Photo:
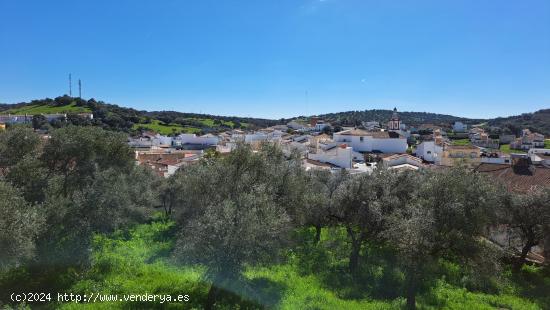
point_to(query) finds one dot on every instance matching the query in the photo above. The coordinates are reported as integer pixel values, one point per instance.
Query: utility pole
(79, 89)
(70, 86)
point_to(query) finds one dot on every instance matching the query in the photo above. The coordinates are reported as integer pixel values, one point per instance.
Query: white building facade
(372, 141)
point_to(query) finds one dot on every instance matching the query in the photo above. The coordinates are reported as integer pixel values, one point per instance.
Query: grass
(462, 142)
(138, 261)
(166, 129)
(505, 148)
(138, 264)
(47, 109)
(547, 144)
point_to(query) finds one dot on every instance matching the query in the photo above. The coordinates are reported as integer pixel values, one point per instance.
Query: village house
(372, 141)
(459, 127)
(528, 140)
(540, 156)
(373, 125)
(27, 118)
(166, 162)
(340, 155)
(506, 139)
(482, 139)
(193, 139)
(150, 139)
(430, 151)
(465, 154)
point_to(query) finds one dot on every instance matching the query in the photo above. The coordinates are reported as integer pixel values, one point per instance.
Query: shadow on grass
(534, 283)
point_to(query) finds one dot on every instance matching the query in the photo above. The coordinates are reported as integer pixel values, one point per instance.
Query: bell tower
(395, 122)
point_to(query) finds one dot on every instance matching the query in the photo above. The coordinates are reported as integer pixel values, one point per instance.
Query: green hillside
(165, 129)
(33, 109)
(114, 117)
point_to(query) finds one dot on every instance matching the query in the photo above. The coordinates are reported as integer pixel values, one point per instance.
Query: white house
(372, 141)
(528, 140)
(540, 156)
(371, 125)
(338, 155)
(429, 151)
(320, 126)
(460, 127)
(188, 138)
(299, 126)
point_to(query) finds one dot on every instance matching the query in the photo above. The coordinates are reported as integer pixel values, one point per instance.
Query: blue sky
(282, 58)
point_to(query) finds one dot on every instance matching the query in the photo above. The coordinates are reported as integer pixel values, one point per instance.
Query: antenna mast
(79, 89)
(70, 86)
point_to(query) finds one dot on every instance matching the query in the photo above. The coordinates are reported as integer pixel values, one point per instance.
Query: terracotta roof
(395, 156)
(517, 178)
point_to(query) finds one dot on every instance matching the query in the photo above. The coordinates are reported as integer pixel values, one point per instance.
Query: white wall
(188, 138)
(429, 151)
(338, 156)
(369, 144)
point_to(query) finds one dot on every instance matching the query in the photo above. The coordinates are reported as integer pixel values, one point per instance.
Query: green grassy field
(547, 144)
(139, 261)
(164, 129)
(505, 148)
(47, 109)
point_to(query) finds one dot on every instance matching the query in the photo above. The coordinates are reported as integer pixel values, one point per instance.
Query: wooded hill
(538, 121)
(382, 116)
(114, 117)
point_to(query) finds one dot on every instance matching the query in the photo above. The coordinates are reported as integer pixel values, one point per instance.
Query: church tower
(395, 122)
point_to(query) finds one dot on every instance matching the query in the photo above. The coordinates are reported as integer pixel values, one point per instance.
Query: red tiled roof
(517, 178)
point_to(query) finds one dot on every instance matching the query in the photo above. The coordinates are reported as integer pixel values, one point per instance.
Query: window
(361, 139)
(428, 152)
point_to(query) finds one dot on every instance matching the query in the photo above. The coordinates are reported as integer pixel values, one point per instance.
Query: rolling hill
(351, 118)
(115, 117)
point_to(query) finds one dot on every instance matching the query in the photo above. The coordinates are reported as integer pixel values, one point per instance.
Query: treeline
(114, 117)
(251, 208)
(56, 193)
(352, 118)
(538, 121)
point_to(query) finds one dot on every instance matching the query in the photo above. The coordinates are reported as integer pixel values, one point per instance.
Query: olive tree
(363, 203)
(445, 218)
(319, 195)
(528, 217)
(236, 211)
(19, 224)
